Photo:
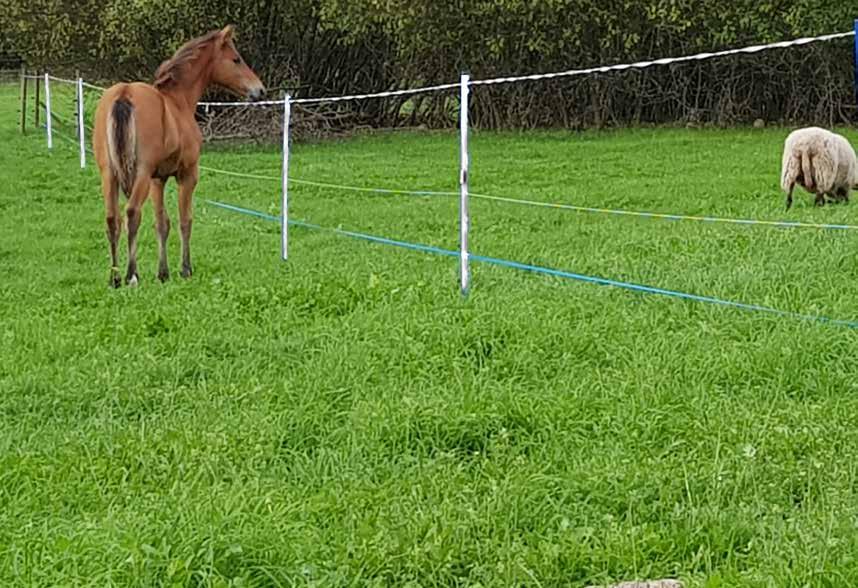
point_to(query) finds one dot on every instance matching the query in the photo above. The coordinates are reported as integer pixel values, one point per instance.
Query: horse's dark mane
(170, 72)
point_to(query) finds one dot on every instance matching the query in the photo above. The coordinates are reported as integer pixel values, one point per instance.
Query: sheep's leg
(843, 195)
(820, 200)
(789, 196)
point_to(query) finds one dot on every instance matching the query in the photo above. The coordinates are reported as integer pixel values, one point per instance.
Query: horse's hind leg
(162, 228)
(134, 211)
(187, 184)
(110, 191)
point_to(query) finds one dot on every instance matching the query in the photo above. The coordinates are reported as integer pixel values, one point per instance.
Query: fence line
(264, 103)
(536, 77)
(294, 180)
(81, 125)
(547, 270)
(464, 189)
(536, 203)
(238, 174)
(67, 138)
(664, 61)
(561, 74)
(284, 181)
(666, 216)
(245, 104)
(63, 80)
(388, 94)
(568, 73)
(48, 117)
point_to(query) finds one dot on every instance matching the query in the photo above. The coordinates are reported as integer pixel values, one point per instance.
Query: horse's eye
(237, 61)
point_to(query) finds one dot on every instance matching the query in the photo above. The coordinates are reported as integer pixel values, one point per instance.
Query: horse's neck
(191, 92)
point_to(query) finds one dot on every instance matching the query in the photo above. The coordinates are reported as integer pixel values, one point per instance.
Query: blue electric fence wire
(546, 270)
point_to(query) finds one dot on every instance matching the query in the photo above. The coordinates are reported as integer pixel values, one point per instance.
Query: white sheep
(821, 162)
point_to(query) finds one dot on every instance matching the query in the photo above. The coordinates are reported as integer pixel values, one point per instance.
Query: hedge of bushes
(328, 47)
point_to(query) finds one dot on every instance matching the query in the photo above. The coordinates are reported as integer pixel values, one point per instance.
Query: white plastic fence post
(464, 220)
(48, 116)
(81, 129)
(284, 218)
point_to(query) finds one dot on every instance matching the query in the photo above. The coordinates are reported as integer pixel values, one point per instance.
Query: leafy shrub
(329, 47)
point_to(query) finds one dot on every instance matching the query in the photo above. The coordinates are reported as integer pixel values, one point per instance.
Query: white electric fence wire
(560, 74)
(663, 61)
(63, 80)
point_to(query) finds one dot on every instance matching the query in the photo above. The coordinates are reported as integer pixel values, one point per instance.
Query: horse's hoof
(132, 282)
(187, 272)
(164, 276)
(115, 282)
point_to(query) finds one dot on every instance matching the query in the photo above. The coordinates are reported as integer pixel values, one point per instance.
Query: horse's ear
(227, 33)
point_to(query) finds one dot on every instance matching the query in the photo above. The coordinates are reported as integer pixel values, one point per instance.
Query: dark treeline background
(331, 47)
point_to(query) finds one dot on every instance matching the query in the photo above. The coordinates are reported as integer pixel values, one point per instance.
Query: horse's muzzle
(256, 94)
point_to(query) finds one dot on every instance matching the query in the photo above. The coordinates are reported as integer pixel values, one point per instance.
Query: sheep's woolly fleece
(820, 161)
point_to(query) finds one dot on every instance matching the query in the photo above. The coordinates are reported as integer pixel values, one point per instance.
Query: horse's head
(230, 71)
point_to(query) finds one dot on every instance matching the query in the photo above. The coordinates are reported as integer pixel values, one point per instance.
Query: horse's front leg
(187, 184)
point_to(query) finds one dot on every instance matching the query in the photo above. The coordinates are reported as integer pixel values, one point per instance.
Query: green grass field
(346, 419)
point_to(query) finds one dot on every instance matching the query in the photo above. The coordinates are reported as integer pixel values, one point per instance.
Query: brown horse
(145, 134)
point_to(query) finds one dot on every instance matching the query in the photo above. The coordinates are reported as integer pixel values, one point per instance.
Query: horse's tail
(122, 144)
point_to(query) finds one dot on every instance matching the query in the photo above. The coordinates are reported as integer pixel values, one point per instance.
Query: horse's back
(146, 101)
(148, 115)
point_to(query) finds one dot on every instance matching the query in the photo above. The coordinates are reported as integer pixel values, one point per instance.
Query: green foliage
(492, 36)
(326, 47)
